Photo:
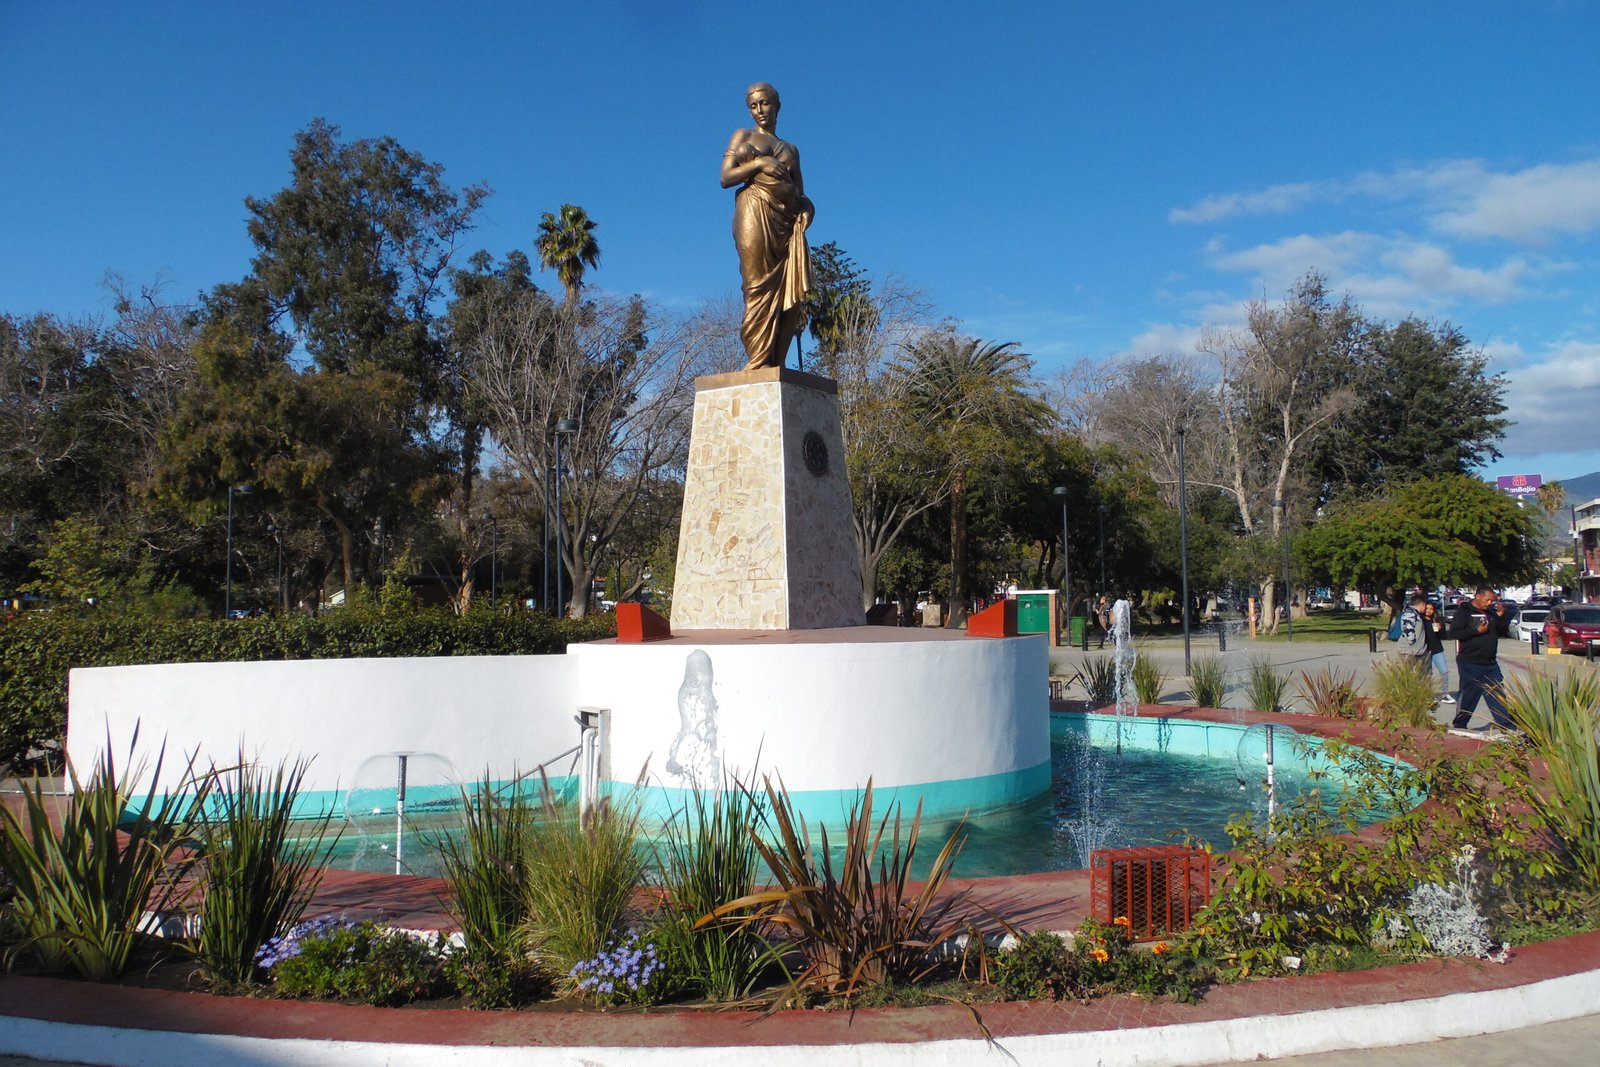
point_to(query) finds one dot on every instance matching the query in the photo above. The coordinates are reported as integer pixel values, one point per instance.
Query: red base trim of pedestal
(997, 620)
(637, 623)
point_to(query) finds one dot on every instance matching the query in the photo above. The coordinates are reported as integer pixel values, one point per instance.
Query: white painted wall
(829, 716)
(479, 711)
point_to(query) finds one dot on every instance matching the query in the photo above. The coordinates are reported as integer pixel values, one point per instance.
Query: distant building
(1586, 530)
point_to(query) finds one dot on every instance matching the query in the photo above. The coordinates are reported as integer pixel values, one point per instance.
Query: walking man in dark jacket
(1478, 627)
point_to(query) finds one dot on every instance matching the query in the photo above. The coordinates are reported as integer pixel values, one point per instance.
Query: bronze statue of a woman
(770, 216)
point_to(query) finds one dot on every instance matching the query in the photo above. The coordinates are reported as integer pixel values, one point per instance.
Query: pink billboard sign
(1520, 484)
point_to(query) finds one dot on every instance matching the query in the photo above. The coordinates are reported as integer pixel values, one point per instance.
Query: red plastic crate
(1159, 889)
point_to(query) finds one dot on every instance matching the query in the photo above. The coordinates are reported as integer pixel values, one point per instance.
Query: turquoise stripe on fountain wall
(1189, 737)
(940, 800)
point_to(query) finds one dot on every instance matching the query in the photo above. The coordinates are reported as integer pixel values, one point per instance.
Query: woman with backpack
(1422, 636)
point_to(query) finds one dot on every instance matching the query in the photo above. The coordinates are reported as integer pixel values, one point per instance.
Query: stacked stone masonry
(765, 541)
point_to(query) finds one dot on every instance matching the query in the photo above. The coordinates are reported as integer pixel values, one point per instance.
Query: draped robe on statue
(774, 262)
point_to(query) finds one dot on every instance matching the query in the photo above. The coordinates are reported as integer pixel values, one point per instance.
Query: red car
(1573, 627)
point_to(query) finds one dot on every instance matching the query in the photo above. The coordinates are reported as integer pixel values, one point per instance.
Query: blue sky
(1086, 179)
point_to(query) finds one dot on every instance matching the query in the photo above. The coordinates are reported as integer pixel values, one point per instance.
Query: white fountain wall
(961, 723)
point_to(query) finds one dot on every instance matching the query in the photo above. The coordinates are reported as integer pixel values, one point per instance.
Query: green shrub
(1405, 692)
(78, 896)
(1100, 961)
(258, 880)
(1148, 678)
(582, 873)
(37, 651)
(1266, 689)
(490, 979)
(361, 962)
(1208, 681)
(1305, 883)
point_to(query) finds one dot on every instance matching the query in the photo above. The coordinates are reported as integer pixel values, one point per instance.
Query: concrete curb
(1233, 1040)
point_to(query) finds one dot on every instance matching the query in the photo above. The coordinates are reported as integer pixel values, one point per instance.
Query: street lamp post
(1183, 544)
(494, 560)
(1102, 513)
(544, 534)
(277, 535)
(227, 595)
(1066, 559)
(564, 428)
(1283, 524)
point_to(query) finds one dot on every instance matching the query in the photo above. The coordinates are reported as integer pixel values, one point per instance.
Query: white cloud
(1279, 262)
(1530, 206)
(1552, 399)
(1163, 339)
(1458, 197)
(1273, 200)
(1387, 275)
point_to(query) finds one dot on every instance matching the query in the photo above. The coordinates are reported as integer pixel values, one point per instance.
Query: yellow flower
(1121, 920)
(1100, 955)
(1159, 947)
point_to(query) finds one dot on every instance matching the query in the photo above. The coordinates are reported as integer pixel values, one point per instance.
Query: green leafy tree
(1427, 409)
(1453, 529)
(356, 251)
(977, 399)
(567, 246)
(839, 306)
(352, 257)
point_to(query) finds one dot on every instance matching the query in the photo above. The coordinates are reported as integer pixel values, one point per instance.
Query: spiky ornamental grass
(1330, 692)
(79, 897)
(258, 878)
(1208, 681)
(1100, 679)
(851, 928)
(582, 872)
(709, 859)
(1406, 691)
(1148, 678)
(487, 869)
(1560, 719)
(1267, 687)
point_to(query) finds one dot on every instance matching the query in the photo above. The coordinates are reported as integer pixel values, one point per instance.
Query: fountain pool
(1173, 777)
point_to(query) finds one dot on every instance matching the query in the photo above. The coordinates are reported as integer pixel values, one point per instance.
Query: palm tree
(975, 397)
(567, 246)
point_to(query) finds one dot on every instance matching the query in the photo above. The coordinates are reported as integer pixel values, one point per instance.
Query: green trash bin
(1075, 632)
(1033, 613)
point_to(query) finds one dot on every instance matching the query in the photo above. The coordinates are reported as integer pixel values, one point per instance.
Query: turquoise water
(1167, 778)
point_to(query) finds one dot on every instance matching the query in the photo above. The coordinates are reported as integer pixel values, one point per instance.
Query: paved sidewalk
(1564, 1044)
(1293, 659)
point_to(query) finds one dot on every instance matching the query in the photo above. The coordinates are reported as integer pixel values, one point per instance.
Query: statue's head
(762, 100)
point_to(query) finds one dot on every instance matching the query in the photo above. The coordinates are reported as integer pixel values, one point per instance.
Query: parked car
(1529, 622)
(1573, 627)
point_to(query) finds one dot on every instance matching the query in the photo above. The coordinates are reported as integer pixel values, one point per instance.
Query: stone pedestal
(766, 542)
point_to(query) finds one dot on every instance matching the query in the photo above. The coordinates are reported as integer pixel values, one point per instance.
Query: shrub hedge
(37, 651)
